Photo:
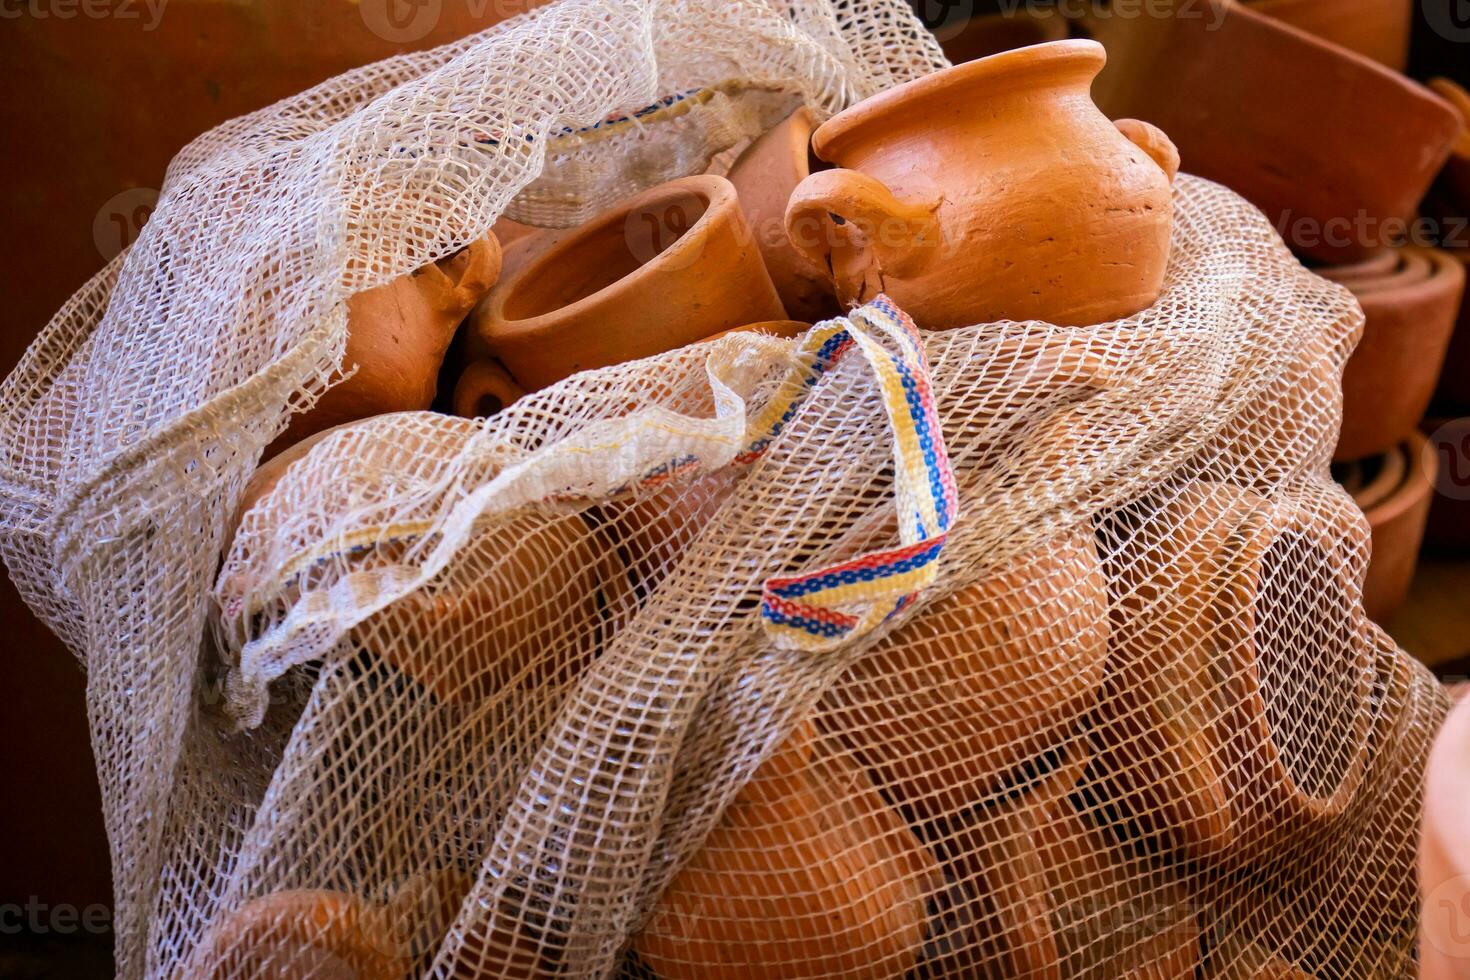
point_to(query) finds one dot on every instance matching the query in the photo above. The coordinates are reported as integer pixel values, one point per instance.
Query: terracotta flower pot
(296, 935)
(1055, 897)
(945, 709)
(983, 36)
(1447, 530)
(1330, 144)
(1444, 852)
(808, 874)
(1377, 29)
(764, 177)
(1456, 175)
(665, 268)
(993, 190)
(397, 336)
(1209, 735)
(1395, 498)
(1409, 315)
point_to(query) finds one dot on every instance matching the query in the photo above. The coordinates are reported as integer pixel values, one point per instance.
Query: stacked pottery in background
(1301, 106)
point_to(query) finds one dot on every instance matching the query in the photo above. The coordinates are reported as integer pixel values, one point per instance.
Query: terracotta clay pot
(943, 710)
(992, 190)
(983, 36)
(808, 874)
(1209, 735)
(1456, 176)
(1444, 852)
(1447, 530)
(764, 176)
(397, 336)
(1055, 897)
(485, 625)
(663, 269)
(1377, 29)
(1409, 314)
(1395, 500)
(1331, 145)
(295, 935)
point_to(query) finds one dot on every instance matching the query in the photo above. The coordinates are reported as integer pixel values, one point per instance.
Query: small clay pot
(809, 873)
(663, 269)
(1377, 29)
(1208, 734)
(397, 336)
(1456, 176)
(1444, 852)
(296, 935)
(1054, 896)
(992, 190)
(1330, 144)
(988, 34)
(764, 177)
(1396, 503)
(1447, 531)
(943, 710)
(1409, 315)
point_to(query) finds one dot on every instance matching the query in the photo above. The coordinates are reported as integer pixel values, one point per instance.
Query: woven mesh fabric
(465, 699)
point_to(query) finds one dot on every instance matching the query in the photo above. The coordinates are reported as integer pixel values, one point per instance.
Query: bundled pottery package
(684, 490)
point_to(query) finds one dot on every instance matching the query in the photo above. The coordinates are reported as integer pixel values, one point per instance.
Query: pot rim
(720, 201)
(1444, 272)
(1415, 486)
(878, 108)
(1392, 470)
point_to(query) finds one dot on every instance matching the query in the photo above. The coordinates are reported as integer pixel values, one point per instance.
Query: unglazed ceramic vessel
(1210, 735)
(1409, 311)
(1444, 852)
(988, 191)
(1332, 146)
(1377, 29)
(663, 269)
(809, 873)
(1052, 896)
(764, 176)
(397, 336)
(943, 710)
(1395, 499)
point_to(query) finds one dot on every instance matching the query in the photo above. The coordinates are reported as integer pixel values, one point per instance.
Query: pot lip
(1446, 789)
(1444, 273)
(720, 200)
(876, 108)
(1392, 470)
(1415, 486)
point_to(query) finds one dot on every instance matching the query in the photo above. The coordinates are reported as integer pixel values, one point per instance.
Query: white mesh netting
(468, 699)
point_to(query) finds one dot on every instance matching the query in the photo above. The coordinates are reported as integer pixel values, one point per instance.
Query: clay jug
(765, 175)
(992, 190)
(665, 268)
(808, 874)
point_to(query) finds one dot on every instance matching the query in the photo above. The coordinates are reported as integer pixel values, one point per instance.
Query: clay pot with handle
(397, 336)
(665, 268)
(988, 191)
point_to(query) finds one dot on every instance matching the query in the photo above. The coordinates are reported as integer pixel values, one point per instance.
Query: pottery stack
(1302, 107)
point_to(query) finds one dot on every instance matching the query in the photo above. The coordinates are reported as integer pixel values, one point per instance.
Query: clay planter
(1395, 498)
(981, 37)
(1447, 531)
(988, 191)
(666, 268)
(764, 177)
(397, 336)
(808, 874)
(1456, 176)
(1210, 735)
(296, 935)
(1444, 852)
(1377, 29)
(943, 710)
(1409, 314)
(1331, 145)
(1052, 896)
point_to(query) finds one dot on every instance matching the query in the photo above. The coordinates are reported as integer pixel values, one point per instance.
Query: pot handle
(1153, 141)
(901, 236)
(457, 282)
(484, 388)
